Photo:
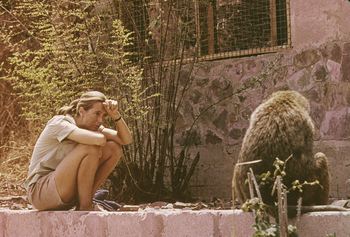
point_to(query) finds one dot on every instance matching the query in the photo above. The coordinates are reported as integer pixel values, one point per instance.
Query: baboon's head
(295, 96)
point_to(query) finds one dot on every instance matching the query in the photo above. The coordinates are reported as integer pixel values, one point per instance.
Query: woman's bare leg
(75, 175)
(85, 180)
(111, 154)
(84, 170)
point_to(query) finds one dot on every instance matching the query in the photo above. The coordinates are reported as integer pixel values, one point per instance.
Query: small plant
(263, 225)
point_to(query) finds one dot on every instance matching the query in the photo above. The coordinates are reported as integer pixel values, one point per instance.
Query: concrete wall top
(162, 223)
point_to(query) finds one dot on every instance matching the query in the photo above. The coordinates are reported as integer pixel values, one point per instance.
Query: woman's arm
(87, 137)
(122, 136)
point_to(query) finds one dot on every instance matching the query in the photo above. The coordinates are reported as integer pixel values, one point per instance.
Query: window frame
(246, 52)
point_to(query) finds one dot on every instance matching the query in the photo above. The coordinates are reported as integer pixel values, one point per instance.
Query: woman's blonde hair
(86, 101)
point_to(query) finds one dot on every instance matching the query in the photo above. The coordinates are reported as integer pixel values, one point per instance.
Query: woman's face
(92, 118)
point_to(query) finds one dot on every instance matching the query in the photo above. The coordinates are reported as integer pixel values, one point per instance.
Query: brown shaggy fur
(281, 126)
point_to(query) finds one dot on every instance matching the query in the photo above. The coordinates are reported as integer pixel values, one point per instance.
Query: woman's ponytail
(69, 109)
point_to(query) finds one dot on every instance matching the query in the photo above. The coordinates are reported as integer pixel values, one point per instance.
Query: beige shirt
(51, 147)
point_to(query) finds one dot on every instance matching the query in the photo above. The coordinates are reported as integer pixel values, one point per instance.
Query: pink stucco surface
(170, 223)
(316, 22)
(324, 224)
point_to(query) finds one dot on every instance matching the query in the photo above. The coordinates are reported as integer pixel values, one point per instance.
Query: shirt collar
(70, 119)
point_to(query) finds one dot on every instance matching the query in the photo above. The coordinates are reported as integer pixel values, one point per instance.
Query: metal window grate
(206, 29)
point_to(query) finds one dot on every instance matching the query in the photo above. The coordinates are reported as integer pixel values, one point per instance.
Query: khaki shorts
(43, 195)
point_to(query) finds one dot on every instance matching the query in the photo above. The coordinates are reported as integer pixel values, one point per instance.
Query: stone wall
(158, 222)
(317, 73)
(318, 66)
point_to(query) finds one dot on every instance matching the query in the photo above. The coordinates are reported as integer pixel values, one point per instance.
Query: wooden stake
(250, 184)
(282, 217)
(285, 209)
(300, 201)
(251, 189)
(255, 184)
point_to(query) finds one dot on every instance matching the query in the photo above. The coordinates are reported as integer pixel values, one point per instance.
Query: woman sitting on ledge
(74, 154)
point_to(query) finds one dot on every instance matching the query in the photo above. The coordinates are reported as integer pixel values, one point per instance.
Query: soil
(13, 197)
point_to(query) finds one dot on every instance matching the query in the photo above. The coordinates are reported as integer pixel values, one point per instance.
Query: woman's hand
(121, 134)
(111, 107)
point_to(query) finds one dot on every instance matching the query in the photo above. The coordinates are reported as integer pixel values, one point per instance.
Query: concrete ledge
(157, 223)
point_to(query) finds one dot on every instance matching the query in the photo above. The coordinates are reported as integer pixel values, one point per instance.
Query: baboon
(281, 127)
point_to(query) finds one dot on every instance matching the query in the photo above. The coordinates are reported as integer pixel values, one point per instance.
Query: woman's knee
(91, 150)
(114, 149)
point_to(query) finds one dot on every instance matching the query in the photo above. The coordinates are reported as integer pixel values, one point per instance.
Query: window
(228, 26)
(208, 29)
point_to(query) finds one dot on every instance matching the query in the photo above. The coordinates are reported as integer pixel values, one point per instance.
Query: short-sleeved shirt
(51, 147)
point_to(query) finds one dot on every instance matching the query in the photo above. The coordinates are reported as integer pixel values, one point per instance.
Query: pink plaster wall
(315, 22)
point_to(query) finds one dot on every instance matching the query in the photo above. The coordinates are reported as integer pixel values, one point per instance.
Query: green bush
(65, 48)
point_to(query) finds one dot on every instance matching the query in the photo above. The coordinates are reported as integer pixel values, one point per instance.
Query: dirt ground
(14, 160)
(13, 197)
(13, 194)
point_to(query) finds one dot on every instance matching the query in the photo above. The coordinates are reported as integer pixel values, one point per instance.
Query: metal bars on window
(207, 29)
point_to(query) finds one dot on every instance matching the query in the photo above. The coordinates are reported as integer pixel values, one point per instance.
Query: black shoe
(107, 205)
(101, 194)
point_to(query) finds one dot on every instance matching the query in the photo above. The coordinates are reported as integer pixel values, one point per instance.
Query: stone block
(332, 51)
(201, 70)
(188, 223)
(324, 224)
(224, 223)
(253, 66)
(195, 96)
(220, 122)
(20, 223)
(212, 138)
(165, 223)
(300, 81)
(235, 223)
(320, 73)
(346, 49)
(134, 224)
(220, 87)
(2, 224)
(95, 224)
(242, 224)
(345, 67)
(201, 81)
(334, 70)
(232, 71)
(335, 125)
(237, 134)
(306, 58)
(64, 223)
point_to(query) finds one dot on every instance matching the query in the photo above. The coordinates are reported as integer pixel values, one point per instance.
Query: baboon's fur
(279, 127)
